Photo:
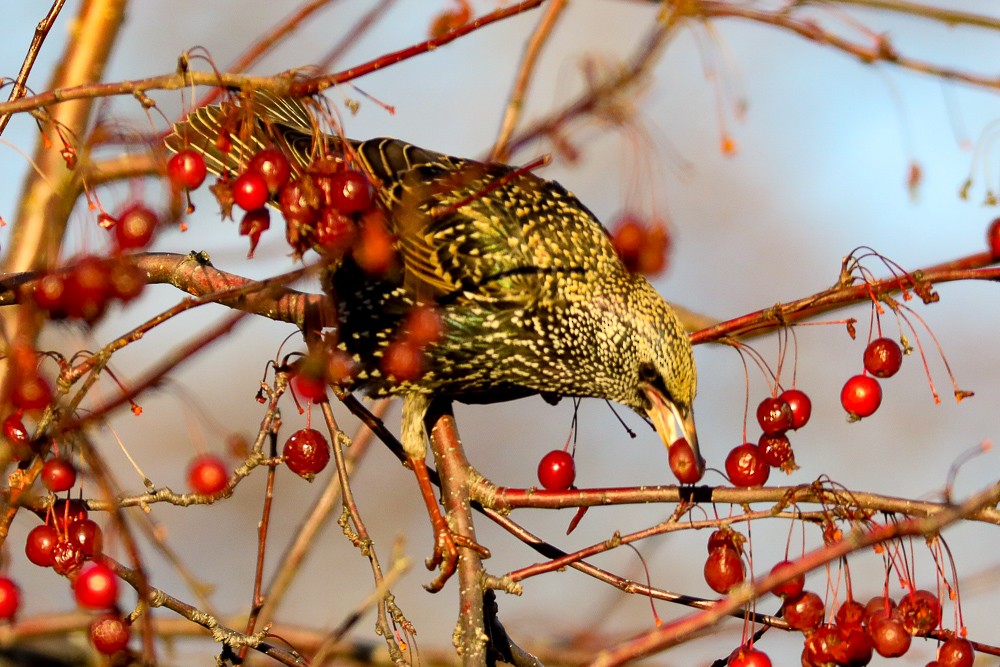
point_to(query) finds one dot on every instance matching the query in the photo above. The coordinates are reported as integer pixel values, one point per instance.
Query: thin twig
(41, 32)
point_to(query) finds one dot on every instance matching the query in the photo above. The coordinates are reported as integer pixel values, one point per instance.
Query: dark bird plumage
(533, 297)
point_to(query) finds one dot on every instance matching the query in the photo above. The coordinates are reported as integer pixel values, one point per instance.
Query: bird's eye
(648, 373)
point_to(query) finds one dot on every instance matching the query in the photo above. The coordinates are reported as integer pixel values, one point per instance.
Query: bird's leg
(446, 540)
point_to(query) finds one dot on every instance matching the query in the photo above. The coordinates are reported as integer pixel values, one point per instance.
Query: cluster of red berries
(642, 246)
(65, 543)
(862, 394)
(750, 464)
(859, 630)
(85, 288)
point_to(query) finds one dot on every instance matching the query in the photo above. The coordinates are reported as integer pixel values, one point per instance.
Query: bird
(531, 295)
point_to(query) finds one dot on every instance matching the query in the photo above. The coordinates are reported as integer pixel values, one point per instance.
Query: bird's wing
(492, 233)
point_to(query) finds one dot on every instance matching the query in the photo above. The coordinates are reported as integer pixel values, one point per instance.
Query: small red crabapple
(87, 535)
(890, 638)
(956, 652)
(273, 166)
(748, 657)
(109, 634)
(774, 415)
(351, 192)
(96, 587)
(250, 191)
(793, 586)
(10, 598)
(207, 475)
(136, 226)
(40, 544)
(186, 170)
(883, 357)
(403, 361)
(58, 475)
(746, 467)
(861, 396)
(306, 453)
(777, 452)
(804, 611)
(800, 404)
(557, 470)
(724, 570)
(920, 611)
(683, 462)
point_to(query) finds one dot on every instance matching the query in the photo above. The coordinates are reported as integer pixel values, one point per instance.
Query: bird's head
(665, 375)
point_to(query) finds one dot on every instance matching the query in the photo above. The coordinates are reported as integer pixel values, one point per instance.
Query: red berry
(800, 404)
(253, 224)
(58, 475)
(861, 396)
(956, 652)
(65, 512)
(350, 192)
(67, 557)
(273, 166)
(684, 463)
(403, 361)
(792, 587)
(777, 452)
(726, 538)
(883, 357)
(803, 611)
(96, 587)
(748, 657)
(186, 170)
(920, 611)
(40, 544)
(890, 638)
(109, 634)
(423, 325)
(993, 238)
(854, 648)
(557, 470)
(135, 228)
(127, 281)
(306, 453)
(10, 598)
(87, 535)
(88, 287)
(878, 607)
(375, 251)
(14, 429)
(50, 293)
(820, 643)
(335, 232)
(851, 614)
(250, 191)
(746, 467)
(724, 570)
(774, 415)
(30, 392)
(298, 201)
(628, 236)
(207, 475)
(309, 387)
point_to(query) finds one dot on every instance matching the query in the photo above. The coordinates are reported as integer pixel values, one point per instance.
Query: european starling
(532, 296)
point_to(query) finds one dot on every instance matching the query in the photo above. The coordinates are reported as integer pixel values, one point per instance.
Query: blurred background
(823, 150)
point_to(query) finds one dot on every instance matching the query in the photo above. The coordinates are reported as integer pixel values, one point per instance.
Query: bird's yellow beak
(672, 425)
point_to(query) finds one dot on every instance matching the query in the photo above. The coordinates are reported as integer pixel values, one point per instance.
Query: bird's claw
(446, 556)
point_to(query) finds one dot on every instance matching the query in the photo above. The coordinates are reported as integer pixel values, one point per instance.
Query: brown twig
(41, 32)
(529, 60)
(950, 17)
